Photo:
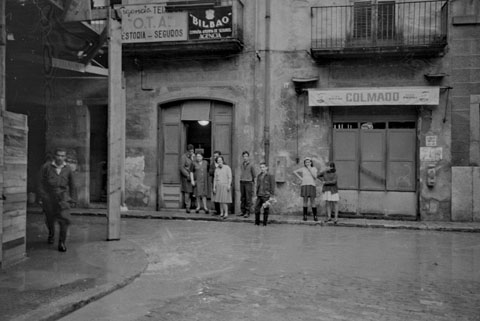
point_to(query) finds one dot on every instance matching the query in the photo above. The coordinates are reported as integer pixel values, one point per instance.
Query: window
(368, 17)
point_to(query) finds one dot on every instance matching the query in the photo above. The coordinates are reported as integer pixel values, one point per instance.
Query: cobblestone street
(230, 271)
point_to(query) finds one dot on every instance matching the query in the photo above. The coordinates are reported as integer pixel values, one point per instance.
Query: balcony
(385, 28)
(212, 27)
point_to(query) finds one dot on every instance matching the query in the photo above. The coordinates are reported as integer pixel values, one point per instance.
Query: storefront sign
(374, 96)
(431, 154)
(150, 23)
(206, 24)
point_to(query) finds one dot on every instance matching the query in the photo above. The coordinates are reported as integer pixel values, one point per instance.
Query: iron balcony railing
(380, 24)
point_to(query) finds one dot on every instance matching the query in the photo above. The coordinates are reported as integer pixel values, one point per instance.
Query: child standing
(330, 191)
(308, 191)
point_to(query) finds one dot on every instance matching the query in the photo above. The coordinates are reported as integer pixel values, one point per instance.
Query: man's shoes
(50, 239)
(187, 211)
(240, 214)
(62, 247)
(246, 215)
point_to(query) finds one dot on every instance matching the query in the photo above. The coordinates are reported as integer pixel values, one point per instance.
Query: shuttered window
(367, 14)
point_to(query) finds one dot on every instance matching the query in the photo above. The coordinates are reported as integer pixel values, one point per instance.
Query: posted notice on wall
(150, 23)
(374, 96)
(431, 154)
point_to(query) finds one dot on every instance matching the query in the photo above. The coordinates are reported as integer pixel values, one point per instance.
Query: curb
(414, 225)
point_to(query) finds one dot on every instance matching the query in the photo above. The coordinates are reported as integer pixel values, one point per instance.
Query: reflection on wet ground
(227, 271)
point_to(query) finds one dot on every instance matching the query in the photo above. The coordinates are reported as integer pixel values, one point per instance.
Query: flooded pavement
(49, 283)
(227, 271)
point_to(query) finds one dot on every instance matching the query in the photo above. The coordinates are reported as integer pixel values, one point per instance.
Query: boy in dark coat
(265, 192)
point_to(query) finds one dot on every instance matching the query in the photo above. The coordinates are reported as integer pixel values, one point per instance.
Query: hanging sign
(150, 23)
(212, 23)
(374, 96)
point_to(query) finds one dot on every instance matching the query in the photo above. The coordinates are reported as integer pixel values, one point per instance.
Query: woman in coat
(222, 186)
(199, 178)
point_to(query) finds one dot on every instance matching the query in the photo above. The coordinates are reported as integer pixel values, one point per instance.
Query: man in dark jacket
(265, 192)
(186, 184)
(57, 195)
(247, 180)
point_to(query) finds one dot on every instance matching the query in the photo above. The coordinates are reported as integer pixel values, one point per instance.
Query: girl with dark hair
(330, 191)
(308, 191)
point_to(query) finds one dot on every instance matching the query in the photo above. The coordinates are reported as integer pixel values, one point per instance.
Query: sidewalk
(50, 284)
(297, 219)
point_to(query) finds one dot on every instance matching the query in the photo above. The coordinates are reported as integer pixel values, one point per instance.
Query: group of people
(57, 191)
(199, 177)
(308, 174)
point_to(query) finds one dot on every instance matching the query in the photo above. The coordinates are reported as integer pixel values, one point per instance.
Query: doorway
(374, 149)
(98, 153)
(206, 124)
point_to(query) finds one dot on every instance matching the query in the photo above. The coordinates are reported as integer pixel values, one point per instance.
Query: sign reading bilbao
(374, 96)
(150, 23)
(213, 23)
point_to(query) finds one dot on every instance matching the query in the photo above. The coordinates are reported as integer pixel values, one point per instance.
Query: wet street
(232, 271)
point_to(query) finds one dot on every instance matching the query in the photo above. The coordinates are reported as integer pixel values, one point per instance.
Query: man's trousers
(54, 211)
(246, 194)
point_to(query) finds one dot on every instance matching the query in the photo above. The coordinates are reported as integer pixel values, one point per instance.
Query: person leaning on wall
(184, 166)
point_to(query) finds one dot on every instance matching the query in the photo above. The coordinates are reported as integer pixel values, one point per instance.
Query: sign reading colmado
(150, 23)
(374, 96)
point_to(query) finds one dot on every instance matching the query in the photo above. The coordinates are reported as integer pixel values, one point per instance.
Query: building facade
(388, 90)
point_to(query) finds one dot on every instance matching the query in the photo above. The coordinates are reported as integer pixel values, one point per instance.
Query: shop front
(375, 146)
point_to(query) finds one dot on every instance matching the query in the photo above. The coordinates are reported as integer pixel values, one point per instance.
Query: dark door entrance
(98, 153)
(200, 136)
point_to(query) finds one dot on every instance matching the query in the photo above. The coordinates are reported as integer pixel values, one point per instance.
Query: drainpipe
(266, 128)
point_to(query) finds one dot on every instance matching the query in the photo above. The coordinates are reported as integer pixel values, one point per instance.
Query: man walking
(186, 184)
(57, 193)
(265, 191)
(247, 179)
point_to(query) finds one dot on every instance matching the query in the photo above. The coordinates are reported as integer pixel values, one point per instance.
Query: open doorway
(200, 136)
(98, 153)
(183, 123)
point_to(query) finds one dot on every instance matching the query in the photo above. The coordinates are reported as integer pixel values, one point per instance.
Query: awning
(369, 96)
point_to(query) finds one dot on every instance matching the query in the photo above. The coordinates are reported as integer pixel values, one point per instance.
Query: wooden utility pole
(116, 125)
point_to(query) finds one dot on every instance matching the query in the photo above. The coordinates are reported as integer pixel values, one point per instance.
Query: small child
(330, 191)
(308, 190)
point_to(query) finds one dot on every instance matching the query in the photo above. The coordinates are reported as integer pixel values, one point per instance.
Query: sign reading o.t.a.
(150, 23)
